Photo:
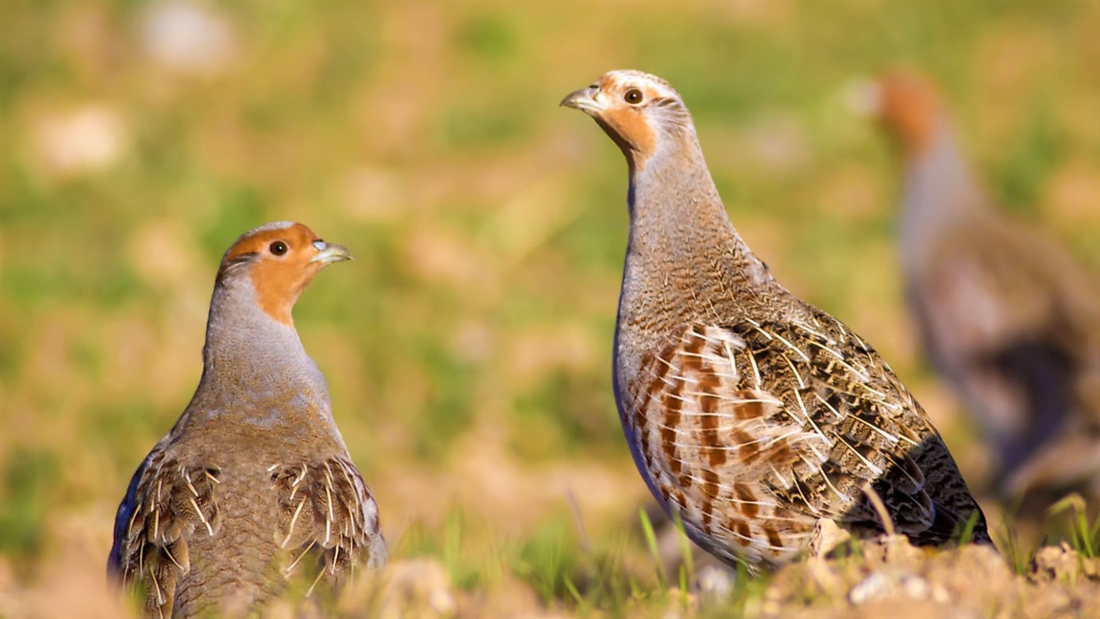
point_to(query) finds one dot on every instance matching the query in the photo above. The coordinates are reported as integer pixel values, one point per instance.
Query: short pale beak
(327, 253)
(584, 100)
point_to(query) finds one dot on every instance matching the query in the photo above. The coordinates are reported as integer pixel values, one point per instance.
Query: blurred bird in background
(750, 413)
(1006, 316)
(253, 488)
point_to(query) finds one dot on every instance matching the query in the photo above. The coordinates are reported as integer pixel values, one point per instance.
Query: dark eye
(633, 96)
(278, 248)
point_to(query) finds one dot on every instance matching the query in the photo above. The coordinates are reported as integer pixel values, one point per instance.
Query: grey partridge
(253, 489)
(750, 413)
(1006, 316)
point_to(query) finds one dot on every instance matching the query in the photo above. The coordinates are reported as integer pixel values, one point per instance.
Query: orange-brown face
(281, 259)
(909, 109)
(624, 104)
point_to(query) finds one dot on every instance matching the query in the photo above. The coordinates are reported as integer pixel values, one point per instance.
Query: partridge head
(252, 491)
(750, 413)
(908, 108)
(280, 262)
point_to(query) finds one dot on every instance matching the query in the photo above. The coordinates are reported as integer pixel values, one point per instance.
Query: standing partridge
(751, 414)
(253, 488)
(1009, 320)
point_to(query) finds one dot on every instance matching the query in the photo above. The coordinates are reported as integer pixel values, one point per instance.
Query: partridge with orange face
(253, 489)
(1007, 317)
(750, 413)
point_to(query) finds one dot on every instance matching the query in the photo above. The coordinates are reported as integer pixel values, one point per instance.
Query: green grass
(30, 480)
(1084, 536)
(651, 543)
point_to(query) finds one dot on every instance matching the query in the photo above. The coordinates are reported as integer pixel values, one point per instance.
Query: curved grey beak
(584, 100)
(327, 253)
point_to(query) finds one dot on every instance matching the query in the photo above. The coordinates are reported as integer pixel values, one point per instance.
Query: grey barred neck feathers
(749, 412)
(940, 195)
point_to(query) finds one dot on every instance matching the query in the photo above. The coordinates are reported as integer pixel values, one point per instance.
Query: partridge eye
(633, 96)
(278, 248)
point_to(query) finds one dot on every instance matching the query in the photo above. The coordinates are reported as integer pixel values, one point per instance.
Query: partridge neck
(255, 369)
(238, 330)
(940, 197)
(677, 218)
(673, 202)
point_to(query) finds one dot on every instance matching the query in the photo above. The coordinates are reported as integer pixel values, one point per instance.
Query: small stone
(876, 586)
(940, 594)
(916, 587)
(891, 550)
(713, 583)
(1091, 568)
(827, 536)
(1052, 563)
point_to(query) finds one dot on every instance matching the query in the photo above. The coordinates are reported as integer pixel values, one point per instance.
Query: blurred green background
(468, 348)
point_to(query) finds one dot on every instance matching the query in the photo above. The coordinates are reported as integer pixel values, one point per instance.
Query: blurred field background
(468, 348)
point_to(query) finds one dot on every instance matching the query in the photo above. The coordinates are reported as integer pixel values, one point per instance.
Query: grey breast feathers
(326, 523)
